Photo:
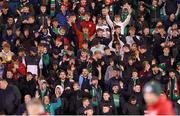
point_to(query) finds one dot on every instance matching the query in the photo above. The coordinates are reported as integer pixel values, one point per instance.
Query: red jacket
(21, 70)
(162, 107)
(91, 26)
(79, 35)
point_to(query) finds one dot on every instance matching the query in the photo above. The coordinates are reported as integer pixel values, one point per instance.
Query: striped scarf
(44, 2)
(173, 88)
(52, 8)
(52, 4)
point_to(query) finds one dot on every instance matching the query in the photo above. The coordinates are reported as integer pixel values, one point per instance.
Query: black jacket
(27, 87)
(10, 99)
(76, 100)
(129, 109)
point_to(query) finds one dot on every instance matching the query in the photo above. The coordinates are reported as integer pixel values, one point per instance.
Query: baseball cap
(152, 87)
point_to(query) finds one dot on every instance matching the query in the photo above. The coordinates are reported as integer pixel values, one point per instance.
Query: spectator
(154, 99)
(10, 97)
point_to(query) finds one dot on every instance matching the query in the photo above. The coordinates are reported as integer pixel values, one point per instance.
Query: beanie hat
(178, 63)
(162, 66)
(152, 87)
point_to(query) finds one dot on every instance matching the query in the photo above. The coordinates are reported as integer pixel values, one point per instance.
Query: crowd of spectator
(87, 57)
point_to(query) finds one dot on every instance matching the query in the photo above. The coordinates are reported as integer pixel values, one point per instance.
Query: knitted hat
(178, 63)
(171, 70)
(162, 66)
(152, 87)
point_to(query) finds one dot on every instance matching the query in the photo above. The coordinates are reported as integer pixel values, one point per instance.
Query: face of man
(87, 17)
(27, 98)
(94, 82)
(29, 77)
(10, 21)
(85, 30)
(63, 8)
(150, 98)
(9, 75)
(3, 85)
(44, 86)
(83, 2)
(143, 50)
(85, 45)
(114, 73)
(134, 74)
(172, 74)
(118, 30)
(43, 9)
(46, 100)
(106, 109)
(89, 112)
(85, 72)
(115, 88)
(35, 109)
(86, 103)
(166, 50)
(133, 101)
(137, 88)
(107, 51)
(76, 86)
(62, 75)
(106, 96)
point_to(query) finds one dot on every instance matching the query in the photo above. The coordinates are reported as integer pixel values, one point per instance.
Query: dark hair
(84, 99)
(62, 71)
(1, 59)
(132, 98)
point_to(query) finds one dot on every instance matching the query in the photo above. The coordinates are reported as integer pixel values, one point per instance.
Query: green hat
(152, 87)
(172, 70)
(162, 66)
(178, 63)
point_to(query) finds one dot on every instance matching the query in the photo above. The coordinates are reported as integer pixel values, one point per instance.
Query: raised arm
(126, 22)
(110, 46)
(109, 22)
(108, 19)
(178, 9)
(74, 26)
(54, 106)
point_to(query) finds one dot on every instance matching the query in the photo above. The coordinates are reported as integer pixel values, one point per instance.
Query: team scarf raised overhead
(173, 88)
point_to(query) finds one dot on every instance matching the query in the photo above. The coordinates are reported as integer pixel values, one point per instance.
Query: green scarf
(56, 30)
(94, 97)
(124, 15)
(47, 107)
(85, 36)
(173, 82)
(116, 100)
(52, 8)
(43, 93)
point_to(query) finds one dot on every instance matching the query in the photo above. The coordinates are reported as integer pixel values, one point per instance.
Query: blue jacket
(54, 106)
(84, 85)
(62, 19)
